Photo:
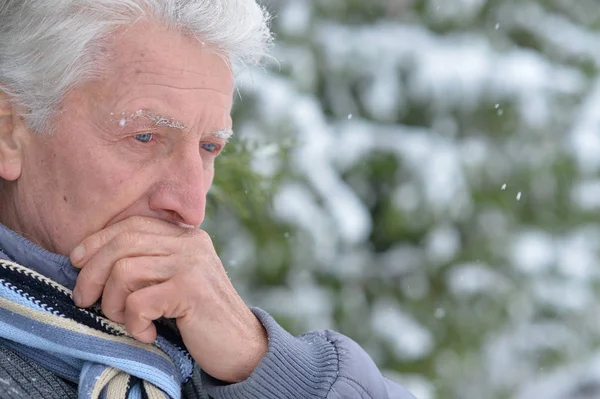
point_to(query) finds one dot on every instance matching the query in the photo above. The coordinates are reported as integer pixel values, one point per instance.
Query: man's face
(139, 141)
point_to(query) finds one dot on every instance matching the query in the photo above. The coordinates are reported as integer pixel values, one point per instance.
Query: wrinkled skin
(124, 193)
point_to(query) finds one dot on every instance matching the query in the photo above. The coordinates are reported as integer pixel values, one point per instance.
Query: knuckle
(123, 269)
(90, 279)
(128, 239)
(134, 303)
(95, 242)
(110, 310)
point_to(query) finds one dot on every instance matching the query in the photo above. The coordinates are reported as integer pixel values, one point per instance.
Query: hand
(145, 268)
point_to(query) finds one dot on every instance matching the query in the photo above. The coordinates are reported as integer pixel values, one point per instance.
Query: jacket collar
(18, 249)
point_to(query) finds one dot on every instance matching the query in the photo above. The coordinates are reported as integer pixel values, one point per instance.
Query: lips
(184, 226)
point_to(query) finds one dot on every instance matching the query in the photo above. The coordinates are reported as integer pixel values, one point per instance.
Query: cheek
(209, 176)
(54, 166)
(119, 184)
(92, 180)
(106, 193)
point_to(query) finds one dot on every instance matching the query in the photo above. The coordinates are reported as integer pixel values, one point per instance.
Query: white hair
(47, 47)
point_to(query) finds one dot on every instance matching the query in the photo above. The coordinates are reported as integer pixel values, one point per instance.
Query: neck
(13, 217)
(7, 211)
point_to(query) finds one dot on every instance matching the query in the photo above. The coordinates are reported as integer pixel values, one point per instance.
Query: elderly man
(112, 113)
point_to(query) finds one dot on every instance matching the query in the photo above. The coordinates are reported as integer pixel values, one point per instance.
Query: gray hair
(47, 47)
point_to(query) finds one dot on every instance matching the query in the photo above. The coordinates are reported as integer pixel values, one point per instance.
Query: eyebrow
(224, 134)
(172, 123)
(163, 121)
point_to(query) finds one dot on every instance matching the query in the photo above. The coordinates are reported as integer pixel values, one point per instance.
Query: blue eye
(210, 147)
(144, 137)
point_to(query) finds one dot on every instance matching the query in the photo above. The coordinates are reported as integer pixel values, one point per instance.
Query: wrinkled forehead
(148, 50)
(178, 80)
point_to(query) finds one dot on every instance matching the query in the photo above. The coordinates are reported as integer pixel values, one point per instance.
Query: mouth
(171, 221)
(184, 226)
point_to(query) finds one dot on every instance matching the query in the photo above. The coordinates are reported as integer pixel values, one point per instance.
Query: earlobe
(10, 147)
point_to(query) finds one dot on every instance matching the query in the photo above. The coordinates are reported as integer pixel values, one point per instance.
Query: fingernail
(76, 297)
(78, 254)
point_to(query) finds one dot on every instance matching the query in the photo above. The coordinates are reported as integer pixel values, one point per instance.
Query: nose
(180, 196)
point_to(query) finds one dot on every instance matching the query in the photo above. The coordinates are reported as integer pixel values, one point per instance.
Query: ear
(11, 127)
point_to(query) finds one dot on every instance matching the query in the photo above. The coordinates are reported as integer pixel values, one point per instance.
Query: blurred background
(423, 176)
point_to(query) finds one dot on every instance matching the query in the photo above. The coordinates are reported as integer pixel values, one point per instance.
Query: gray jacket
(319, 364)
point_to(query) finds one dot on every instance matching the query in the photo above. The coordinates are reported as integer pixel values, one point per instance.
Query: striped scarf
(39, 320)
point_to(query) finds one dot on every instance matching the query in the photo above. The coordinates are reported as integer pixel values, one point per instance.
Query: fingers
(144, 269)
(120, 250)
(149, 304)
(128, 276)
(139, 224)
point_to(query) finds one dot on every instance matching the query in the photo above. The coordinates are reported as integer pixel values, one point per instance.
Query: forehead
(148, 60)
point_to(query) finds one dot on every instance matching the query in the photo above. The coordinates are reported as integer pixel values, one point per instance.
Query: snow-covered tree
(425, 179)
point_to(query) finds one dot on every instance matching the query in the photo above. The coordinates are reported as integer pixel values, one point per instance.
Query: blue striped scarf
(39, 320)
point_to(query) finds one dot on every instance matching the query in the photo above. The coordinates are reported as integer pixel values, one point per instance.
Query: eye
(143, 137)
(210, 147)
